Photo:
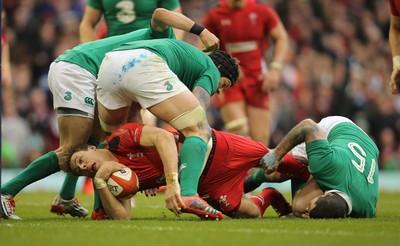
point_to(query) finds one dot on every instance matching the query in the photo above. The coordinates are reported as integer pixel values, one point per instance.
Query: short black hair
(329, 207)
(226, 64)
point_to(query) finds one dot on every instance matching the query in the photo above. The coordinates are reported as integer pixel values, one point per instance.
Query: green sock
(259, 177)
(97, 201)
(40, 168)
(192, 156)
(68, 188)
(254, 181)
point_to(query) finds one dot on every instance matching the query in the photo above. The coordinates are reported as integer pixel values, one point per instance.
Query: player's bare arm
(87, 26)
(164, 142)
(281, 46)
(394, 41)
(202, 95)
(163, 18)
(306, 131)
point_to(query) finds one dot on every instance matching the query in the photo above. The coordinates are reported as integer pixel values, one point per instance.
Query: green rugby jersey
(123, 16)
(90, 55)
(348, 162)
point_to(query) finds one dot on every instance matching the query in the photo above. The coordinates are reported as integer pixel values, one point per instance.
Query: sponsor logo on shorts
(68, 96)
(89, 101)
(168, 86)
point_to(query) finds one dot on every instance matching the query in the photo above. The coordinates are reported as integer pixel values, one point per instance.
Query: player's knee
(189, 119)
(193, 123)
(238, 126)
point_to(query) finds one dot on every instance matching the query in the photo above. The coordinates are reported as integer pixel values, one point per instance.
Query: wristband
(276, 65)
(196, 29)
(99, 183)
(171, 178)
(396, 62)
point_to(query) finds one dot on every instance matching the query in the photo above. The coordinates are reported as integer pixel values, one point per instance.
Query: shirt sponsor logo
(135, 155)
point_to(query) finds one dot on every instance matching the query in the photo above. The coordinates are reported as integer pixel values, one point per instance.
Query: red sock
(264, 199)
(293, 166)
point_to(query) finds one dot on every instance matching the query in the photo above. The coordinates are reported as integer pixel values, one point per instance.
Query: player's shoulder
(221, 9)
(262, 7)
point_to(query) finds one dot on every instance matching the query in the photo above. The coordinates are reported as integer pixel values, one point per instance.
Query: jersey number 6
(360, 154)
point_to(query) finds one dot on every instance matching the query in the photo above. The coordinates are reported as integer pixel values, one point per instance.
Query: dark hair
(226, 64)
(329, 207)
(72, 150)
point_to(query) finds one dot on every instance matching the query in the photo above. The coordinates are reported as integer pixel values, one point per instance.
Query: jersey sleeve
(208, 82)
(271, 18)
(322, 158)
(96, 4)
(393, 7)
(169, 4)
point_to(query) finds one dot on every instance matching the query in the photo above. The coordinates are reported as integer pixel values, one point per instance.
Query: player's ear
(92, 147)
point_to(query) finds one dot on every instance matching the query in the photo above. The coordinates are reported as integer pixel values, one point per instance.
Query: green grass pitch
(153, 224)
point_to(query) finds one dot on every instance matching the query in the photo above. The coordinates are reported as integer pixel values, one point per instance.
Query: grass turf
(153, 224)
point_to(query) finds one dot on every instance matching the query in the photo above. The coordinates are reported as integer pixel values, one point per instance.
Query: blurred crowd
(339, 64)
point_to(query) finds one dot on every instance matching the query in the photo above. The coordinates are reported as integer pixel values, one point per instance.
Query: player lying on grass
(72, 80)
(343, 161)
(230, 157)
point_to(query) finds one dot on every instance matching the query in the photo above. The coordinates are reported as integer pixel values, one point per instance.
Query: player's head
(83, 160)
(236, 4)
(328, 206)
(227, 65)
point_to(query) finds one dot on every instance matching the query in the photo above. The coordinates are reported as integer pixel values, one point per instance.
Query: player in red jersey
(139, 147)
(394, 41)
(244, 28)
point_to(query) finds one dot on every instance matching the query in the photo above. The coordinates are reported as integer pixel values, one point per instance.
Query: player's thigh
(174, 106)
(259, 121)
(233, 111)
(247, 209)
(74, 130)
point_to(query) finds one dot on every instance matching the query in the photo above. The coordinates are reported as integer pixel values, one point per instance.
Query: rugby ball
(123, 184)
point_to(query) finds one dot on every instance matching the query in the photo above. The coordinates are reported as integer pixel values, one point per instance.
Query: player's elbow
(159, 13)
(164, 136)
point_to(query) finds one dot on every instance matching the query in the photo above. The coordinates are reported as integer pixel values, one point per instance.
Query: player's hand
(107, 168)
(150, 192)
(269, 162)
(395, 81)
(210, 41)
(173, 198)
(271, 80)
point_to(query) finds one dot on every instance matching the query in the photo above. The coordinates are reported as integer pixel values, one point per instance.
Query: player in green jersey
(72, 80)
(174, 81)
(122, 16)
(343, 161)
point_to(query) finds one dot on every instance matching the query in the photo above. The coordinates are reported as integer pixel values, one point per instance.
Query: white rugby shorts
(135, 75)
(72, 87)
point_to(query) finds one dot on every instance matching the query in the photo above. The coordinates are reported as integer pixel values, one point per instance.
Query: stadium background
(339, 64)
